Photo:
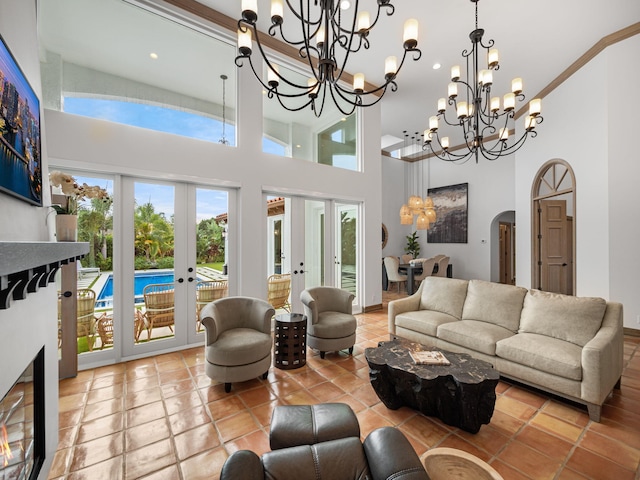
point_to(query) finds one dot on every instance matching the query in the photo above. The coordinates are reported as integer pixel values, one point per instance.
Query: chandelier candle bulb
(312, 83)
(244, 41)
(529, 123)
(358, 82)
(535, 107)
(492, 58)
(442, 104)
(320, 36)
(250, 10)
(509, 102)
(444, 142)
(364, 22)
(390, 66)
(455, 73)
(272, 76)
(410, 36)
(277, 11)
(433, 124)
(516, 85)
(462, 110)
(504, 134)
(453, 90)
(487, 78)
(495, 104)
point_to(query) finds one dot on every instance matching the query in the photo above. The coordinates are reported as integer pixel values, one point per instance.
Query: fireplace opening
(22, 431)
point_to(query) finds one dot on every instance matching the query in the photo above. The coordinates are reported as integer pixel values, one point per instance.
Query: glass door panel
(211, 217)
(346, 249)
(153, 245)
(314, 251)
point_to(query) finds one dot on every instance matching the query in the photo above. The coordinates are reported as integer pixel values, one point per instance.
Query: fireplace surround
(29, 329)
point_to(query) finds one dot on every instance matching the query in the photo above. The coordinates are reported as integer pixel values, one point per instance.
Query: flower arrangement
(74, 192)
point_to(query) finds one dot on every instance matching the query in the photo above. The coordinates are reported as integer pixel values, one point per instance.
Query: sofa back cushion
(494, 303)
(573, 319)
(444, 294)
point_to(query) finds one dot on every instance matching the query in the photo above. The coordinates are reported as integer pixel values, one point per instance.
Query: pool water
(141, 280)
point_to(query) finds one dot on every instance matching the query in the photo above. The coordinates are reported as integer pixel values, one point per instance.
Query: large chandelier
(331, 30)
(485, 122)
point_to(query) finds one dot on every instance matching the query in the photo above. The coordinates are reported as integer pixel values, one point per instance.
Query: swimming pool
(141, 280)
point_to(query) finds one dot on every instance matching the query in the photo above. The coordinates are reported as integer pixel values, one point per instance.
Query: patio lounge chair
(159, 306)
(86, 317)
(279, 287)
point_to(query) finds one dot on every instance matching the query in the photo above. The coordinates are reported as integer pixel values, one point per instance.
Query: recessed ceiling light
(298, 146)
(436, 66)
(345, 4)
(153, 55)
(343, 119)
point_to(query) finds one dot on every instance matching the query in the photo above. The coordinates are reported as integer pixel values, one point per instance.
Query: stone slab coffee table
(462, 394)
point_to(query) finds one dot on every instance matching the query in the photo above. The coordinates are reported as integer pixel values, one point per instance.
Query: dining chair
(442, 266)
(427, 270)
(406, 258)
(391, 264)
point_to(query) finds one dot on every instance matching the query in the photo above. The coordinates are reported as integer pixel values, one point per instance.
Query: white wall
(83, 143)
(589, 124)
(491, 192)
(28, 324)
(624, 175)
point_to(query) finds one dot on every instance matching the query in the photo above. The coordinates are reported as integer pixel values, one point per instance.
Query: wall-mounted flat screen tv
(20, 159)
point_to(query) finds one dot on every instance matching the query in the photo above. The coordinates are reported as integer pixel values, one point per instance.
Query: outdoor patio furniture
(159, 306)
(279, 288)
(207, 291)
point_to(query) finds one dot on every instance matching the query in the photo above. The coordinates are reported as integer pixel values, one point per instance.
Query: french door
(318, 242)
(166, 239)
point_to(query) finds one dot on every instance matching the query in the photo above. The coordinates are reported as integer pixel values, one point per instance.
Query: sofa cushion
(573, 319)
(494, 303)
(478, 336)
(423, 321)
(543, 353)
(444, 295)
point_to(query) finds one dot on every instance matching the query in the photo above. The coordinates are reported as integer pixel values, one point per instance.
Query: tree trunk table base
(461, 394)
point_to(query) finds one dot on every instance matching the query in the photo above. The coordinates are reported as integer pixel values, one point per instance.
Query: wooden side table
(290, 341)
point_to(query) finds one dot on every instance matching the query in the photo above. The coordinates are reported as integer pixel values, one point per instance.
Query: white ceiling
(537, 41)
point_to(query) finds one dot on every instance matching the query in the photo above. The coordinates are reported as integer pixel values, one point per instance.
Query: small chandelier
(423, 210)
(484, 121)
(224, 140)
(330, 34)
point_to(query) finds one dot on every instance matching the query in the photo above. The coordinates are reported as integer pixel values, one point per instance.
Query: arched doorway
(553, 207)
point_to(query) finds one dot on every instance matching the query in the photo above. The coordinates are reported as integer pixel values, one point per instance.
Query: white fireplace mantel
(27, 266)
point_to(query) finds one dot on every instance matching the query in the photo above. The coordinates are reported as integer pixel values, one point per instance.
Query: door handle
(564, 264)
(180, 280)
(190, 279)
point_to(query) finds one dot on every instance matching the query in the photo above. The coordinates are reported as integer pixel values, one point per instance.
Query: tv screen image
(20, 158)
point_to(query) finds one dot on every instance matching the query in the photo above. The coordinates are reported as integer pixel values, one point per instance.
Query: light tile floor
(163, 418)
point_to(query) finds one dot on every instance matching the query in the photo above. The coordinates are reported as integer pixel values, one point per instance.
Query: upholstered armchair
(237, 339)
(330, 323)
(312, 442)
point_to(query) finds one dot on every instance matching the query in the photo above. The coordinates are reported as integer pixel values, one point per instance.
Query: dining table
(411, 271)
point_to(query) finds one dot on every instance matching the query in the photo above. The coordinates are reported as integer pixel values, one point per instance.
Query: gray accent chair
(330, 324)
(238, 339)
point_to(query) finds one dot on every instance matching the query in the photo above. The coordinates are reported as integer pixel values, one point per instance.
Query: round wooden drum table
(290, 341)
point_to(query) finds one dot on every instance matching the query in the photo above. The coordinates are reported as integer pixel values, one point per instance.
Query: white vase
(67, 228)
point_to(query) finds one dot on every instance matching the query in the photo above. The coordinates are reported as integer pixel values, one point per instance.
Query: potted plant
(67, 212)
(413, 247)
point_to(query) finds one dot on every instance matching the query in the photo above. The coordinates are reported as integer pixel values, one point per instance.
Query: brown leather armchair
(311, 442)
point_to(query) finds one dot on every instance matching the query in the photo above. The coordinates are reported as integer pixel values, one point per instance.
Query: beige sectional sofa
(568, 346)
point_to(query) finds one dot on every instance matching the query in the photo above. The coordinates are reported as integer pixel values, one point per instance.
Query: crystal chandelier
(484, 121)
(331, 30)
(224, 140)
(423, 210)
